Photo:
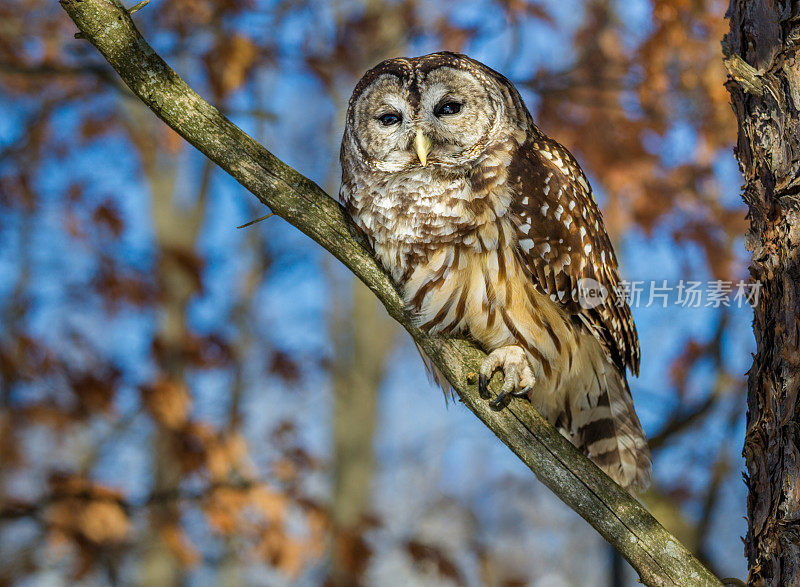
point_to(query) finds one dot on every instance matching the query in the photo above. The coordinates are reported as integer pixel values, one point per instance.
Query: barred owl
(489, 228)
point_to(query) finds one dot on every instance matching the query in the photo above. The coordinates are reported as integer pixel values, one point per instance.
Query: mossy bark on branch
(655, 554)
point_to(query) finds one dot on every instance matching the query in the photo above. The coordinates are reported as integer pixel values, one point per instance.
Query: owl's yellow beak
(422, 144)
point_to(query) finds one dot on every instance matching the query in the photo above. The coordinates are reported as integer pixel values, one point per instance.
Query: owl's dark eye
(448, 108)
(389, 119)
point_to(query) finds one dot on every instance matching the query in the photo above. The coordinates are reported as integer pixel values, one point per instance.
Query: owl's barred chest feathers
(409, 216)
(450, 243)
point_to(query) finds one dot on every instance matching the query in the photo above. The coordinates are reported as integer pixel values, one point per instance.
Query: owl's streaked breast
(408, 217)
(485, 294)
(451, 249)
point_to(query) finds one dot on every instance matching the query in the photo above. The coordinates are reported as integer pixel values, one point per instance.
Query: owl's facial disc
(457, 112)
(444, 118)
(382, 122)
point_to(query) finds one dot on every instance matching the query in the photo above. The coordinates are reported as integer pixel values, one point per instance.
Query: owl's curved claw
(489, 365)
(483, 386)
(519, 378)
(499, 401)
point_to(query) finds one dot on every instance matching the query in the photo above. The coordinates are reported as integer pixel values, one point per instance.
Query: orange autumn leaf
(180, 545)
(168, 401)
(273, 505)
(103, 521)
(230, 62)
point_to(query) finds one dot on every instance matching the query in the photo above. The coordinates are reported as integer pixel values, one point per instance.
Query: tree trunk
(362, 337)
(177, 228)
(765, 91)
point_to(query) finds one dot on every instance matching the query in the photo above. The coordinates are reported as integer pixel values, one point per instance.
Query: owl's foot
(519, 378)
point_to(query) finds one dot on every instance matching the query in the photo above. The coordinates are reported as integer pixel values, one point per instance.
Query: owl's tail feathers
(610, 434)
(436, 376)
(605, 427)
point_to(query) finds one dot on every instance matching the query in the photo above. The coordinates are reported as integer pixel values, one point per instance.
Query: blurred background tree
(181, 401)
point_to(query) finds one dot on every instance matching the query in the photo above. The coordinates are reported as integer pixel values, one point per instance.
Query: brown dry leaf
(224, 455)
(103, 522)
(517, 8)
(187, 17)
(427, 555)
(453, 37)
(170, 141)
(291, 557)
(95, 393)
(237, 448)
(318, 526)
(284, 366)
(10, 454)
(191, 445)
(185, 262)
(47, 414)
(281, 551)
(74, 225)
(206, 351)
(67, 484)
(223, 508)
(107, 215)
(95, 126)
(685, 362)
(83, 509)
(350, 549)
(168, 401)
(229, 63)
(117, 287)
(285, 470)
(180, 545)
(218, 461)
(61, 518)
(273, 505)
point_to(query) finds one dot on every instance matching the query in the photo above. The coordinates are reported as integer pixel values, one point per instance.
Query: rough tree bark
(762, 58)
(658, 557)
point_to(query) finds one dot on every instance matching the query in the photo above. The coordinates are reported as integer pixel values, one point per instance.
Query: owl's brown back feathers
(563, 241)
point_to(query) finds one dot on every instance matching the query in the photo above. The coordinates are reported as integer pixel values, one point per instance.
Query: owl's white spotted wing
(562, 241)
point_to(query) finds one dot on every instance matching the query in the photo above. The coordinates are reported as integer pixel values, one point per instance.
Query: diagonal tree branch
(657, 556)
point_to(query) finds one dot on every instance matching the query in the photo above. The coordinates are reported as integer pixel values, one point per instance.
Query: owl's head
(441, 110)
